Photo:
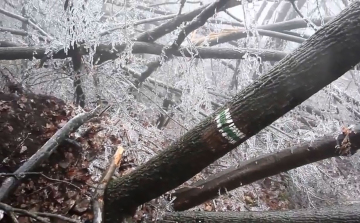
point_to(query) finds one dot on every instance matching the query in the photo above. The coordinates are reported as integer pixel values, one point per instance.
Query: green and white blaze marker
(227, 128)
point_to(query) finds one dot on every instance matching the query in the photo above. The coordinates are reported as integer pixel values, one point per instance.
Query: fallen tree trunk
(261, 167)
(327, 55)
(346, 213)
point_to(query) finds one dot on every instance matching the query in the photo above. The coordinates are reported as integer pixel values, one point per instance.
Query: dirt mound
(62, 184)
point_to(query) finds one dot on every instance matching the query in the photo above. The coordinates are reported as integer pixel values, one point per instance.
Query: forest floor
(64, 183)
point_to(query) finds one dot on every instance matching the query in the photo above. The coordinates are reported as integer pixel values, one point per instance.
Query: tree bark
(9, 51)
(346, 213)
(327, 55)
(259, 168)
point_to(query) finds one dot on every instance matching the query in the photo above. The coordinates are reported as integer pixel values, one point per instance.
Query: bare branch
(261, 167)
(9, 209)
(35, 215)
(41, 174)
(137, 23)
(193, 25)
(152, 35)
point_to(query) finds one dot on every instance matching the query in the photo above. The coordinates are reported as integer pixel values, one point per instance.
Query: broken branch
(98, 202)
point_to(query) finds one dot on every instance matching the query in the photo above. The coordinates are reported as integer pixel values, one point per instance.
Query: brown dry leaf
(208, 206)
(10, 128)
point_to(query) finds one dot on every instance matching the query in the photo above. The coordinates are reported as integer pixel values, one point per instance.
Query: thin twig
(135, 74)
(9, 209)
(122, 26)
(21, 175)
(35, 215)
(311, 24)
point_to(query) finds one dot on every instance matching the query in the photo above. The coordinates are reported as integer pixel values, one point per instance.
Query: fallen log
(346, 213)
(263, 166)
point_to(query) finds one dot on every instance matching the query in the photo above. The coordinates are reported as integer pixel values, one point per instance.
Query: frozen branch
(264, 166)
(154, 34)
(218, 38)
(25, 20)
(312, 25)
(16, 53)
(137, 23)
(199, 21)
(45, 151)
(18, 32)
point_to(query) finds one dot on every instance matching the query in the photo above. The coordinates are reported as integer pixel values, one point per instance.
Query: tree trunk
(327, 55)
(261, 167)
(346, 213)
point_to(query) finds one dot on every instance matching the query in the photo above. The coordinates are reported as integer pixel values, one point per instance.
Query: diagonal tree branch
(199, 21)
(25, 20)
(154, 34)
(312, 25)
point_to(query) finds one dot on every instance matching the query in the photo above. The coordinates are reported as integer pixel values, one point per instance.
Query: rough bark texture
(346, 213)
(259, 168)
(327, 55)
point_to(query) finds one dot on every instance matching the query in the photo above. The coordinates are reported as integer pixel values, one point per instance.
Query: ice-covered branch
(264, 166)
